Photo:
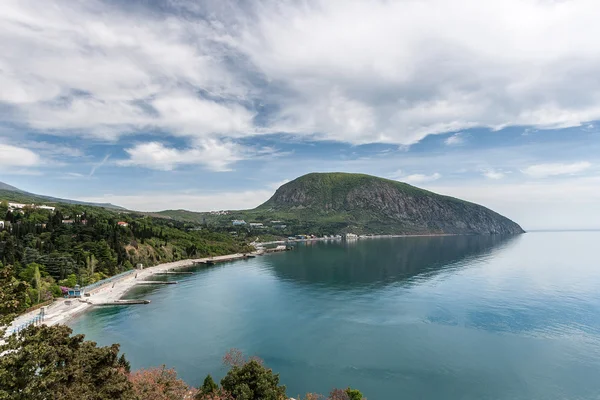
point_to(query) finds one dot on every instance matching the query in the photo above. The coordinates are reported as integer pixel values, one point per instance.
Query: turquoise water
(409, 318)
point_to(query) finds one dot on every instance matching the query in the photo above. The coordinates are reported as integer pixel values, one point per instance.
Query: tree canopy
(44, 362)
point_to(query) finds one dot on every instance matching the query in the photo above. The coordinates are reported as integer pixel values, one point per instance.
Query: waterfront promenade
(62, 310)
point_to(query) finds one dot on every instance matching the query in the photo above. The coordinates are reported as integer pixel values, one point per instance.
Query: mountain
(4, 186)
(11, 193)
(367, 204)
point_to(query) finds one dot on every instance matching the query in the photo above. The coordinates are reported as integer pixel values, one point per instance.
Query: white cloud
(415, 68)
(420, 178)
(351, 70)
(546, 170)
(12, 156)
(493, 174)
(455, 139)
(214, 154)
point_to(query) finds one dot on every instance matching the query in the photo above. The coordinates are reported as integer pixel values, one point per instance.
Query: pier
(121, 302)
(222, 259)
(174, 273)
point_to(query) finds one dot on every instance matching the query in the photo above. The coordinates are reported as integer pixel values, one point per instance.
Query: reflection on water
(383, 261)
(463, 317)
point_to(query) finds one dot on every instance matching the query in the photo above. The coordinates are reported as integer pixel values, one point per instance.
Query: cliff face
(368, 204)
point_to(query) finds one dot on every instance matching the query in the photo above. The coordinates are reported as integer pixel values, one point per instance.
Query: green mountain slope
(367, 204)
(11, 193)
(330, 203)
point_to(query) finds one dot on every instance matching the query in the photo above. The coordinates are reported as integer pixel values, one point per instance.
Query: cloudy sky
(212, 104)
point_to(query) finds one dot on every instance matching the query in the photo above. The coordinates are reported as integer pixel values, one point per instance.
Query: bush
(160, 384)
(253, 381)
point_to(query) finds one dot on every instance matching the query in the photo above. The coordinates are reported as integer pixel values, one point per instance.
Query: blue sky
(208, 105)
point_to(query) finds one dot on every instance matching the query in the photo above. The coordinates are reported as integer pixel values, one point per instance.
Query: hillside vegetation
(330, 203)
(81, 244)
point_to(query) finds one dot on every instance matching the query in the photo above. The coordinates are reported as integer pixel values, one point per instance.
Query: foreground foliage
(160, 384)
(48, 363)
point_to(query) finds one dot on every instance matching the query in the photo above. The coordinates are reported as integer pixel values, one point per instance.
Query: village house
(123, 224)
(256, 225)
(238, 222)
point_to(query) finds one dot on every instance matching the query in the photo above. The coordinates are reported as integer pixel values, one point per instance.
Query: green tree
(253, 381)
(37, 277)
(70, 282)
(43, 362)
(354, 394)
(208, 386)
(13, 297)
(31, 272)
(124, 363)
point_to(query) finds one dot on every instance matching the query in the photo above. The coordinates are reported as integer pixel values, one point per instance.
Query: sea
(449, 317)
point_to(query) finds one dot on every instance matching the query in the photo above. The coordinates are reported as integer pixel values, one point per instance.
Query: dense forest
(75, 244)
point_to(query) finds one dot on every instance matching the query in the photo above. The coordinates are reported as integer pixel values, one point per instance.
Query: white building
(256, 225)
(237, 222)
(351, 236)
(19, 206)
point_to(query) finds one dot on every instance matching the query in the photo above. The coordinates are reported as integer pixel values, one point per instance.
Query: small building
(46, 208)
(238, 222)
(351, 236)
(75, 292)
(123, 224)
(16, 206)
(68, 221)
(256, 225)
(280, 226)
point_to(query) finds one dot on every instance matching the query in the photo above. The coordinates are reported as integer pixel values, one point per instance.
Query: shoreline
(63, 310)
(345, 239)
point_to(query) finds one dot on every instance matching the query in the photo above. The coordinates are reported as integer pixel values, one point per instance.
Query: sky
(213, 104)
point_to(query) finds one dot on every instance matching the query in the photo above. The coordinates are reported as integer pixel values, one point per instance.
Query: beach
(62, 310)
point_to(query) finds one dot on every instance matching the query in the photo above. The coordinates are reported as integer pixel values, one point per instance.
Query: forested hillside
(77, 244)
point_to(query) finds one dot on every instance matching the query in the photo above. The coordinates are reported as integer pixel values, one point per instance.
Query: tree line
(54, 250)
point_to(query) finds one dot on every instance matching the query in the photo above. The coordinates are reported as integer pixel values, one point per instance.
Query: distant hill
(11, 193)
(330, 203)
(4, 186)
(365, 203)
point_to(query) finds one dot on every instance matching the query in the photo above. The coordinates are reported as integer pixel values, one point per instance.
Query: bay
(456, 317)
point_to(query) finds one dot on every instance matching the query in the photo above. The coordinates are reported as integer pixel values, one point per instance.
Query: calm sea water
(411, 318)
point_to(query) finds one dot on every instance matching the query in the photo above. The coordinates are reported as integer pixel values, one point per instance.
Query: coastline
(63, 310)
(342, 238)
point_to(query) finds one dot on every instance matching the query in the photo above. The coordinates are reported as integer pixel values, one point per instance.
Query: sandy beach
(62, 310)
